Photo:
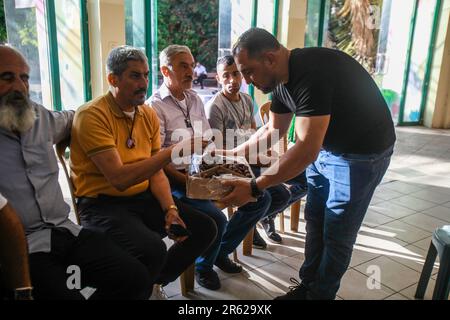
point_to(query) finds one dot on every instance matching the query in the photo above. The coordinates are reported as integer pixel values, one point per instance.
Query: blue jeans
(283, 195)
(340, 188)
(280, 196)
(229, 233)
(297, 188)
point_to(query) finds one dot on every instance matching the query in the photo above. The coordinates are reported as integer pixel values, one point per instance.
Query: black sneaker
(228, 266)
(275, 237)
(269, 227)
(258, 241)
(296, 292)
(208, 279)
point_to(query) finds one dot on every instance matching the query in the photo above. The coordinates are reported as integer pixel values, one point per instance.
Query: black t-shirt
(329, 82)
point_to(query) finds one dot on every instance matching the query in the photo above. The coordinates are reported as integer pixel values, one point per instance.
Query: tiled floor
(413, 199)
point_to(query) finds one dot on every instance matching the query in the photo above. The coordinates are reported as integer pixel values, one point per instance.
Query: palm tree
(351, 30)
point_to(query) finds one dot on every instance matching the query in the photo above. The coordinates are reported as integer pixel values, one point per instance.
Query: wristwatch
(23, 293)
(172, 207)
(256, 193)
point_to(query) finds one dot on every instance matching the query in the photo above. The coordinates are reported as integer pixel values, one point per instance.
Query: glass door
(392, 56)
(141, 32)
(27, 31)
(70, 49)
(316, 15)
(399, 36)
(418, 69)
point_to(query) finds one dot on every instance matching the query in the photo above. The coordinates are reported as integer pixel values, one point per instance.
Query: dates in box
(207, 172)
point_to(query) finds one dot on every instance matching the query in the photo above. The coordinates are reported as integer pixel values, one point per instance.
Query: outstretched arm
(311, 133)
(263, 139)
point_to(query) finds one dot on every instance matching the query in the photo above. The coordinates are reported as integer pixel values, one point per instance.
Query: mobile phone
(177, 230)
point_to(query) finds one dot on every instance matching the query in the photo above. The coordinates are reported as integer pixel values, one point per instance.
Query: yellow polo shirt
(100, 125)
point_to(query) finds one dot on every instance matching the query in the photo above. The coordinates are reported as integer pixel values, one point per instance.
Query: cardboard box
(204, 180)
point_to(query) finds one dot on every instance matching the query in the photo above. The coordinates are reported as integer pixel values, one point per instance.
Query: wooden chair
(281, 148)
(186, 278)
(61, 153)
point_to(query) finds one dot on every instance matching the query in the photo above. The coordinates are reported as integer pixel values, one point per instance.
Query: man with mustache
(345, 139)
(117, 171)
(232, 110)
(179, 108)
(29, 180)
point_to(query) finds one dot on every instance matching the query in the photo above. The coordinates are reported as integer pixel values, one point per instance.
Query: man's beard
(270, 87)
(16, 112)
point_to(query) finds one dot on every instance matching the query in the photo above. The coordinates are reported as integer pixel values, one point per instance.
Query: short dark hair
(117, 61)
(256, 41)
(227, 60)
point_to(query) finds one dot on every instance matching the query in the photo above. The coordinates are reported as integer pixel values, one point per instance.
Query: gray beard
(16, 113)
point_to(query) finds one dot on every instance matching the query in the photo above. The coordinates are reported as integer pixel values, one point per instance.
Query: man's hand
(171, 218)
(241, 194)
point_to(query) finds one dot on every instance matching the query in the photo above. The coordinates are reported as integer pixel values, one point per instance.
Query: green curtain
(291, 134)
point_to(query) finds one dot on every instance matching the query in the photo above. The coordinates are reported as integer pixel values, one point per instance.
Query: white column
(106, 31)
(437, 110)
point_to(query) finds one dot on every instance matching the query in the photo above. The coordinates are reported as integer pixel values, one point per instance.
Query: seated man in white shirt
(179, 107)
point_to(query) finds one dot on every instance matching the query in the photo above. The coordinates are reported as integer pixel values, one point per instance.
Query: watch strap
(256, 193)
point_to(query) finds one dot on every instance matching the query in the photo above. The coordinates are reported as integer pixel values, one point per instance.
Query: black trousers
(137, 224)
(102, 265)
(200, 79)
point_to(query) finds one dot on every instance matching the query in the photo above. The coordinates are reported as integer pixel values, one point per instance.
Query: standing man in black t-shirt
(345, 139)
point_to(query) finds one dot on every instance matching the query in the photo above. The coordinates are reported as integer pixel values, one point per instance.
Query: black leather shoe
(208, 279)
(228, 266)
(258, 241)
(296, 292)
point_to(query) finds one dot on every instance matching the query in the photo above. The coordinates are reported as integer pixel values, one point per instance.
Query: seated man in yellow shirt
(117, 172)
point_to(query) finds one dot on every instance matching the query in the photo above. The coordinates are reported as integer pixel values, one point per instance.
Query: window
(49, 34)
(69, 53)
(26, 29)
(419, 59)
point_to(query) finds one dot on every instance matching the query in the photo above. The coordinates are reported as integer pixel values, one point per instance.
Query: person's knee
(157, 251)
(280, 197)
(221, 223)
(138, 281)
(339, 239)
(257, 210)
(153, 256)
